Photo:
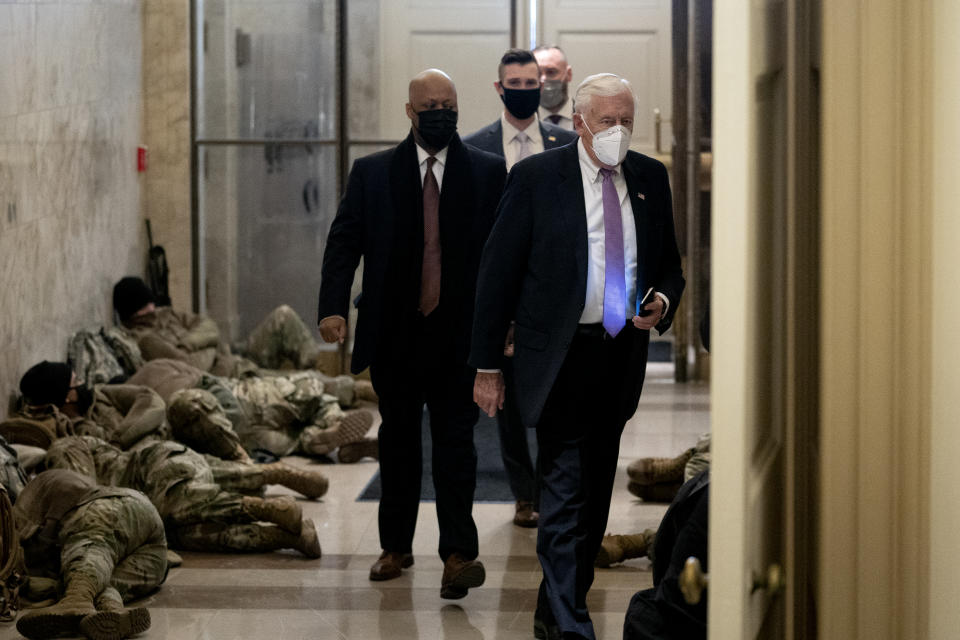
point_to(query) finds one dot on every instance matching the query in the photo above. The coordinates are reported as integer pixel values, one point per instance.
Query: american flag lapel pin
(641, 196)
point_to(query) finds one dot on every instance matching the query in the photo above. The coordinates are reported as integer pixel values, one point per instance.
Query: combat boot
(655, 492)
(659, 470)
(63, 618)
(363, 390)
(282, 511)
(312, 484)
(352, 427)
(616, 549)
(354, 451)
(274, 538)
(113, 621)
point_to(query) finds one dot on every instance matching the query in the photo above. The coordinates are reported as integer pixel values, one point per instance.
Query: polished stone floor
(285, 596)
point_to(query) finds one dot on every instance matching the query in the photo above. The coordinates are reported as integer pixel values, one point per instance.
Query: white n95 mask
(610, 145)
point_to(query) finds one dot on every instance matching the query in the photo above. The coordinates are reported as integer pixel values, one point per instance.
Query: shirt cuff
(488, 370)
(666, 303)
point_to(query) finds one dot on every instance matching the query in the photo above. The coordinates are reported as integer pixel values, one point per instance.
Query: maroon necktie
(554, 118)
(430, 276)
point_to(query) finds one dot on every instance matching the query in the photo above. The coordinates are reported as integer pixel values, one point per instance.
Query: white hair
(600, 84)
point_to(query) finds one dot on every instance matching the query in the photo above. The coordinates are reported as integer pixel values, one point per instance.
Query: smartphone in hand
(641, 303)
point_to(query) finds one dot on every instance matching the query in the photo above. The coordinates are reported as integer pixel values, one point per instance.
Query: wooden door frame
(889, 185)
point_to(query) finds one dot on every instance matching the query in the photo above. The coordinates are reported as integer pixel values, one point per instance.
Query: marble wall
(70, 121)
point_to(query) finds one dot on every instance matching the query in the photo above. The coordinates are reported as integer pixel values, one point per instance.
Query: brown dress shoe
(389, 565)
(525, 516)
(460, 574)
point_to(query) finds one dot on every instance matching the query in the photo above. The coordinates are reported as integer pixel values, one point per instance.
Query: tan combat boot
(352, 427)
(113, 621)
(665, 492)
(363, 390)
(616, 549)
(307, 542)
(312, 484)
(659, 470)
(354, 451)
(282, 511)
(63, 618)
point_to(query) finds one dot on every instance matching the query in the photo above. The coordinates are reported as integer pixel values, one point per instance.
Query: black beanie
(129, 296)
(46, 383)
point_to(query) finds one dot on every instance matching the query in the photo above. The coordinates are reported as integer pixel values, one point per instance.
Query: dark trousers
(414, 369)
(514, 448)
(578, 435)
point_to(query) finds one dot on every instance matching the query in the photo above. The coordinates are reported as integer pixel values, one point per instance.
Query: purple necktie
(614, 287)
(430, 276)
(554, 118)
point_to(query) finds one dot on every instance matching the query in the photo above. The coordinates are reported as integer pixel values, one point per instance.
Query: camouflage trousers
(116, 542)
(286, 413)
(198, 419)
(282, 340)
(184, 491)
(700, 461)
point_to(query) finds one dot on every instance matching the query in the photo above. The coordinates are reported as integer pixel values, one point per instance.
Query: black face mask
(437, 127)
(522, 103)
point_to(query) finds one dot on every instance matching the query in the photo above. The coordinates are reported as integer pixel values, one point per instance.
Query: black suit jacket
(380, 219)
(534, 267)
(490, 138)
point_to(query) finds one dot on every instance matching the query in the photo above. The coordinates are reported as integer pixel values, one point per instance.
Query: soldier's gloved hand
(333, 329)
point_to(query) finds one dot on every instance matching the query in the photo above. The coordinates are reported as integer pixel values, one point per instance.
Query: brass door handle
(693, 580)
(773, 582)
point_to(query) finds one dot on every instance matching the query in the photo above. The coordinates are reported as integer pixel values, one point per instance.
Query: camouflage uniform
(281, 340)
(192, 338)
(110, 536)
(124, 414)
(700, 461)
(291, 412)
(167, 376)
(197, 496)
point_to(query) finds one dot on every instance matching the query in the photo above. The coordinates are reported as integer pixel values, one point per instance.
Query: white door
(765, 310)
(628, 37)
(465, 38)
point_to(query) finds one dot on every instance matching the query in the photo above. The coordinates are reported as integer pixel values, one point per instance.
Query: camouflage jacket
(124, 414)
(190, 337)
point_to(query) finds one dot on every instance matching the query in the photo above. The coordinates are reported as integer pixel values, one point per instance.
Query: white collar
(590, 168)
(441, 155)
(510, 132)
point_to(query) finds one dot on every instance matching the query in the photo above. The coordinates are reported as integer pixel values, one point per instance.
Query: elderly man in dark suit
(516, 135)
(418, 214)
(584, 259)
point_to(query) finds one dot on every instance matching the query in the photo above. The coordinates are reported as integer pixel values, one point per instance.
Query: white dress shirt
(438, 166)
(565, 112)
(596, 244)
(511, 145)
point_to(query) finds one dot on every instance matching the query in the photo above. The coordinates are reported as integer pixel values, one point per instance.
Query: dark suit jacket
(490, 138)
(534, 267)
(381, 219)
